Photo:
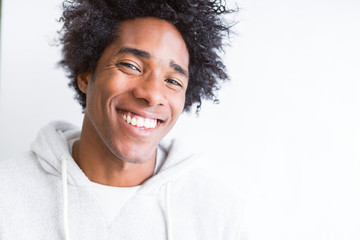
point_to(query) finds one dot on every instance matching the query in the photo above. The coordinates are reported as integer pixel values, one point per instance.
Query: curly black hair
(89, 26)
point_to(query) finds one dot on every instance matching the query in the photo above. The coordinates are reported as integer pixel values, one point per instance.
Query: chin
(134, 156)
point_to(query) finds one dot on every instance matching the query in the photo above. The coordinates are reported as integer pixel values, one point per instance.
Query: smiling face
(137, 91)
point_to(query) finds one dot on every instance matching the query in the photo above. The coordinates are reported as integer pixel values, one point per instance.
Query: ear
(83, 81)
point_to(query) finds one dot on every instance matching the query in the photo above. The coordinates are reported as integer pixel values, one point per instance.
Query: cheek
(106, 87)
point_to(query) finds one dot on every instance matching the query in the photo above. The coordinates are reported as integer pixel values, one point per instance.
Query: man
(135, 66)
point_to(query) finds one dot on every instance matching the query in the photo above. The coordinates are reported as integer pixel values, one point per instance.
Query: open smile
(139, 121)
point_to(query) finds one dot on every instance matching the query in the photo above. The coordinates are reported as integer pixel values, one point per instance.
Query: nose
(150, 90)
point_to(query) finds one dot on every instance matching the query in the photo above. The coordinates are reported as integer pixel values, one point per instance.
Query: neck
(101, 166)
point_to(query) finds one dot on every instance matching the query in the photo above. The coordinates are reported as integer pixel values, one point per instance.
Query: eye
(128, 65)
(173, 82)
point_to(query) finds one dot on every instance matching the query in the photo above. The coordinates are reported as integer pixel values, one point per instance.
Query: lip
(133, 129)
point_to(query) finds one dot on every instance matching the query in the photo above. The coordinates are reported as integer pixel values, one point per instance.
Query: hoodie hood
(52, 144)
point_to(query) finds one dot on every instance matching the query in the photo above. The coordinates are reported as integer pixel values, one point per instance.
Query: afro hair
(89, 26)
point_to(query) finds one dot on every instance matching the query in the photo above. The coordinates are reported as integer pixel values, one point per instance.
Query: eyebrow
(178, 68)
(136, 52)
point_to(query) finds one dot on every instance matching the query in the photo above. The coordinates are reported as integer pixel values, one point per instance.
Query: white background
(286, 134)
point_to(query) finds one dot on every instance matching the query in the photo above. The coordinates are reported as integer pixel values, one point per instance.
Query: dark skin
(134, 98)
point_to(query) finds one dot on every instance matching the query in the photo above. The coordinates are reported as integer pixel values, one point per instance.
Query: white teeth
(147, 123)
(154, 124)
(139, 121)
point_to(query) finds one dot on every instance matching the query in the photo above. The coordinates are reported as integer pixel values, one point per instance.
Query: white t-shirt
(112, 199)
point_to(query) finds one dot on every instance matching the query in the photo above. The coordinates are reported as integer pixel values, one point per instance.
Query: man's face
(137, 91)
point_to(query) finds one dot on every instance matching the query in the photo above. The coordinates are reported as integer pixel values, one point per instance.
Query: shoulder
(13, 165)
(211, 193)
(22, 179)
(202, 182)
(19, 171)
(206, 201)
(26, 192)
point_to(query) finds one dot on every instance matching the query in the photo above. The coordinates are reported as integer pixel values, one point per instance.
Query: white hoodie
(45, 195)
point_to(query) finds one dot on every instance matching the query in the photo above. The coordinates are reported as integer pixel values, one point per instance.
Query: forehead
(158, 37)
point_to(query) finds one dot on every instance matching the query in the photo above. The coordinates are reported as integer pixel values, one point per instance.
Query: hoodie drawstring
(65, 196)
(168, 211)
